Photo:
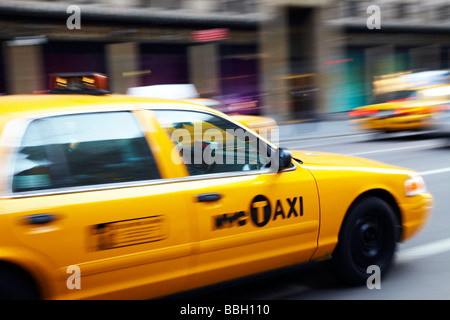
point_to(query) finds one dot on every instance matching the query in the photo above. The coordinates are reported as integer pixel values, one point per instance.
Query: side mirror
(285, 157)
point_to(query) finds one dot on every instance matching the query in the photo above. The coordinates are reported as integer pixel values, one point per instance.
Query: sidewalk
(316, 129)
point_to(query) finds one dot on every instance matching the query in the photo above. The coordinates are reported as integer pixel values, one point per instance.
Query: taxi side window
(81, 150)
(211, 144)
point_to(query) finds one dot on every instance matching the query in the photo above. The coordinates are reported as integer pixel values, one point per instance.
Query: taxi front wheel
(16, 284)
(368, 238)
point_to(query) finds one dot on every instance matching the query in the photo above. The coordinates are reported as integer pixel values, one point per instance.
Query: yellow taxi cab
(263, 126)
(109, 197)
(406, 105)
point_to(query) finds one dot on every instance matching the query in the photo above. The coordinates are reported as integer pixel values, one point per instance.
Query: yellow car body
(264, 126)
(421, 119)
(416, 110)
(147, 237)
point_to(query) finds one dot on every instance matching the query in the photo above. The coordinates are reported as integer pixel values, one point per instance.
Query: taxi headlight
(414, 185)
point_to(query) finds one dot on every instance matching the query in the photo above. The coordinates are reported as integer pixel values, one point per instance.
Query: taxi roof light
(79, 83)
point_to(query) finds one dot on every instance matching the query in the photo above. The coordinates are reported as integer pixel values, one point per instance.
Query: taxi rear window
(82, 150)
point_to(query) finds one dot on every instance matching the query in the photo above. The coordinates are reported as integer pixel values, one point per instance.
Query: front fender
(339, 189)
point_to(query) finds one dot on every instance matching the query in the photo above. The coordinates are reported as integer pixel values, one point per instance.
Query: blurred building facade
(413, 36)
(297, 58)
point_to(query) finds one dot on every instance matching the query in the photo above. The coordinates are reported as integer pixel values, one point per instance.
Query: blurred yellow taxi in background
(264, 126)
(402, 105)
(109, 197)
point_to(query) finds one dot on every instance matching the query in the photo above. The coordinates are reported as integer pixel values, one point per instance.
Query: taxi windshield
(395, 96)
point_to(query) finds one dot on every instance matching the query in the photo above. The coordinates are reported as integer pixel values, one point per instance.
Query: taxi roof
(33, 104)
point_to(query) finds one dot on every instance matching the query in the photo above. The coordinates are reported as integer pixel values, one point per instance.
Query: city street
(421, 266)
(94, 191)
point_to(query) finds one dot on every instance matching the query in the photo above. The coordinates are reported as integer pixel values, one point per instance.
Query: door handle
(41, 218)
(208, 197)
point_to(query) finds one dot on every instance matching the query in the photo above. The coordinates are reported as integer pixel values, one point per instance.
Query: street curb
(313, 130)
(325, 137)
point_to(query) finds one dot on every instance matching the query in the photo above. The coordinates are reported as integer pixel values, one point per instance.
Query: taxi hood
(315, 158)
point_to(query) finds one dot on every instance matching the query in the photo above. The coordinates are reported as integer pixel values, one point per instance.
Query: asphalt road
(422, 265)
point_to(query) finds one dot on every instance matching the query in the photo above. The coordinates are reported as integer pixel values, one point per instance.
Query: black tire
(16, 285)
(368, 237)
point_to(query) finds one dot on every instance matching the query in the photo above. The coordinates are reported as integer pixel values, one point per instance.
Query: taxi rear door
(88, 194)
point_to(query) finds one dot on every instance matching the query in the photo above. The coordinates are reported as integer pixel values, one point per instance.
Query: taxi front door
(252, 223)
(245, 216)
